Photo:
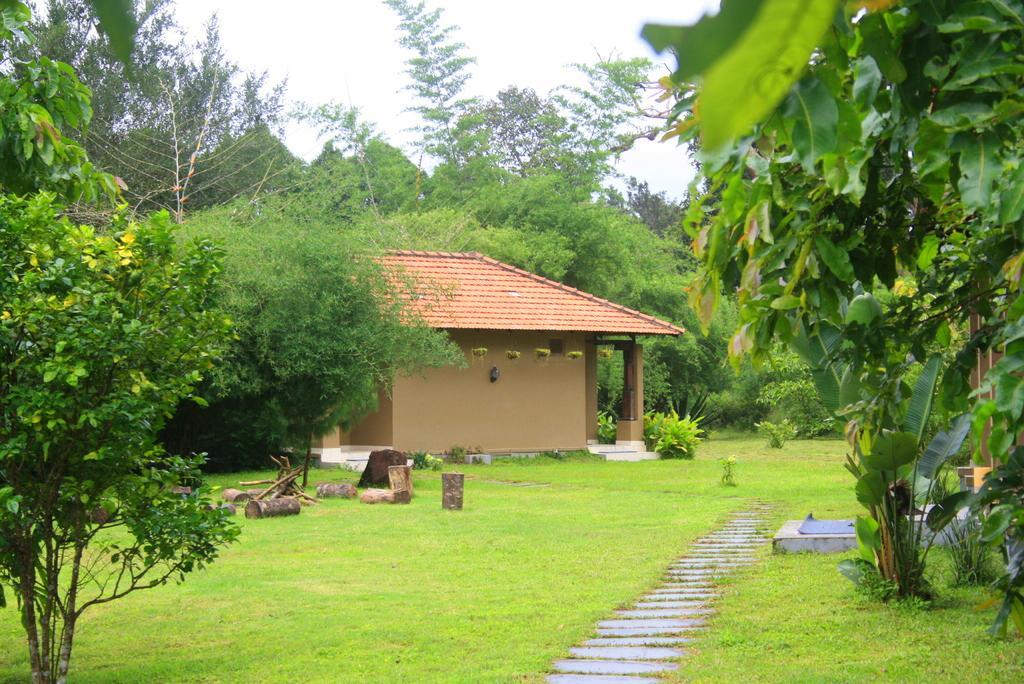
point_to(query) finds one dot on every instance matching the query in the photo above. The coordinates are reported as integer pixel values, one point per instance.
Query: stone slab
(648, 605)
(645, 613)
(654, 623)
(612, 667)
(637, 641)
(643, 631)
(598, 679)
(627, 652)
(680, 596)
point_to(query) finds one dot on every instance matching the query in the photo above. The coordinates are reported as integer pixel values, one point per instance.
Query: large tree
(181, 124)
(864, 213)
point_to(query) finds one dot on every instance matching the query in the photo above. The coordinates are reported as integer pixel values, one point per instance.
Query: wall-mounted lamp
(495, 374)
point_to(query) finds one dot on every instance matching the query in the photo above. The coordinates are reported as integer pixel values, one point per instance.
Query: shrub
(607, 430)
(728, 476)
(653, 422)
(679, 437)
(777, 433)
(421, 460)
(971, 559)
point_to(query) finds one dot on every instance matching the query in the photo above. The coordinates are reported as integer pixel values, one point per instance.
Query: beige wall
(536, 404)
(376, 428)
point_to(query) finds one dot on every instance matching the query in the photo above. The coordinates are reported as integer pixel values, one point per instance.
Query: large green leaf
(1011, 201)
(863, 309)
(742, 84)
(979, 168)
(891, 450)
(835, 257)
(944, 511)
(944, 446)
(815, 118)
(817, 349)
(869, 539)
(870, 488)
(923, 398)
(117, 21)
(697, 47)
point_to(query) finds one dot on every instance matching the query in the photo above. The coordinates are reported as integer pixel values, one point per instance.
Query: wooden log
(183, 491)
(376, 472)
(272, 508)
(228, 508)
(343, 490)
(373, 496)
(235, 495)
(251, 483)
(451, 491)
(400, 477)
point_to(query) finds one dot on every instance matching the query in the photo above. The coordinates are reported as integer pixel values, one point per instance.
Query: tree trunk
(305, 465)
(372, 496)
(401, 482)
(235, 495)
(271, 508)
(343, 490)
(451, 491)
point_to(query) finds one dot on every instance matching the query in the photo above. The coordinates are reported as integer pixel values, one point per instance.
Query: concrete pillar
(633, 430)
(590, 378)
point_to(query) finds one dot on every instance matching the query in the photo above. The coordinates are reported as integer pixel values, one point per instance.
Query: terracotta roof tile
(469, 290)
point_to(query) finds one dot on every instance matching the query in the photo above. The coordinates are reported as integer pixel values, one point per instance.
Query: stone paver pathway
(636, 645)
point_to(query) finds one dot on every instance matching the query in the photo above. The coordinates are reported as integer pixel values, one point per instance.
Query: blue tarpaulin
(812, 526)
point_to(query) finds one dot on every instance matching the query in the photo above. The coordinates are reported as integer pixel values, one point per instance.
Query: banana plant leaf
(817, 349)
(944, 446)
(891, 451)
(944, 511)
(923, 398)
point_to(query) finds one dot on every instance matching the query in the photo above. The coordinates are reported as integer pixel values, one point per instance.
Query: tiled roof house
(530, 379)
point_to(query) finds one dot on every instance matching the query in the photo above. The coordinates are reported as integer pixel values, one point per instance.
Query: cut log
(400, 477)
(183, 491)
(451, 491)
(228, 508)
(376, 472)
(252, 483)
(373, 496)
(272, 507)
(343, 490)
(235, 496)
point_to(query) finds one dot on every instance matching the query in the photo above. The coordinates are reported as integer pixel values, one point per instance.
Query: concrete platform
(623, 451)
(789, 540)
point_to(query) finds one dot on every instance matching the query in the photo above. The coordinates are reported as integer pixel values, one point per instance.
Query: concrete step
(612, 667)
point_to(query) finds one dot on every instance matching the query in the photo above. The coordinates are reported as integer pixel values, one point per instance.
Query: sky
(347, 51)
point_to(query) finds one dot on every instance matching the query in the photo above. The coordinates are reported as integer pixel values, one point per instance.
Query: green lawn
(350, 592)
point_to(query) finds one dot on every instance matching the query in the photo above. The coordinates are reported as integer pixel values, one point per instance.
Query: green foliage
(40, 99)
(678, 437)
(878, 205)
(317, 336)
(971, 559)
(777, 36)
(607, 429)
(175, 97)
(101, 334)
(728, 471)
(777, 433)
(421, 460)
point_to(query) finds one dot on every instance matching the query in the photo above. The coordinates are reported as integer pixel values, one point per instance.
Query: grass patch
(496, 592)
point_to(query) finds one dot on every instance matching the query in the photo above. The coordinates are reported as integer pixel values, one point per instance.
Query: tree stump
(376, 472)
(373, 496)
(327, 490)
(400, 477)
(451, 491)
(235, 495)
(271, 508)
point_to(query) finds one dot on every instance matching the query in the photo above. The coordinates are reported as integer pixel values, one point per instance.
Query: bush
(421, 460)
(607, 430)
(799, 401)
(777, 433)
(679, 437)
(733, 409)
(971, 559)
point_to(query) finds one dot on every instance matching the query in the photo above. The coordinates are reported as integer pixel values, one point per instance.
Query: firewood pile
(284, 485)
